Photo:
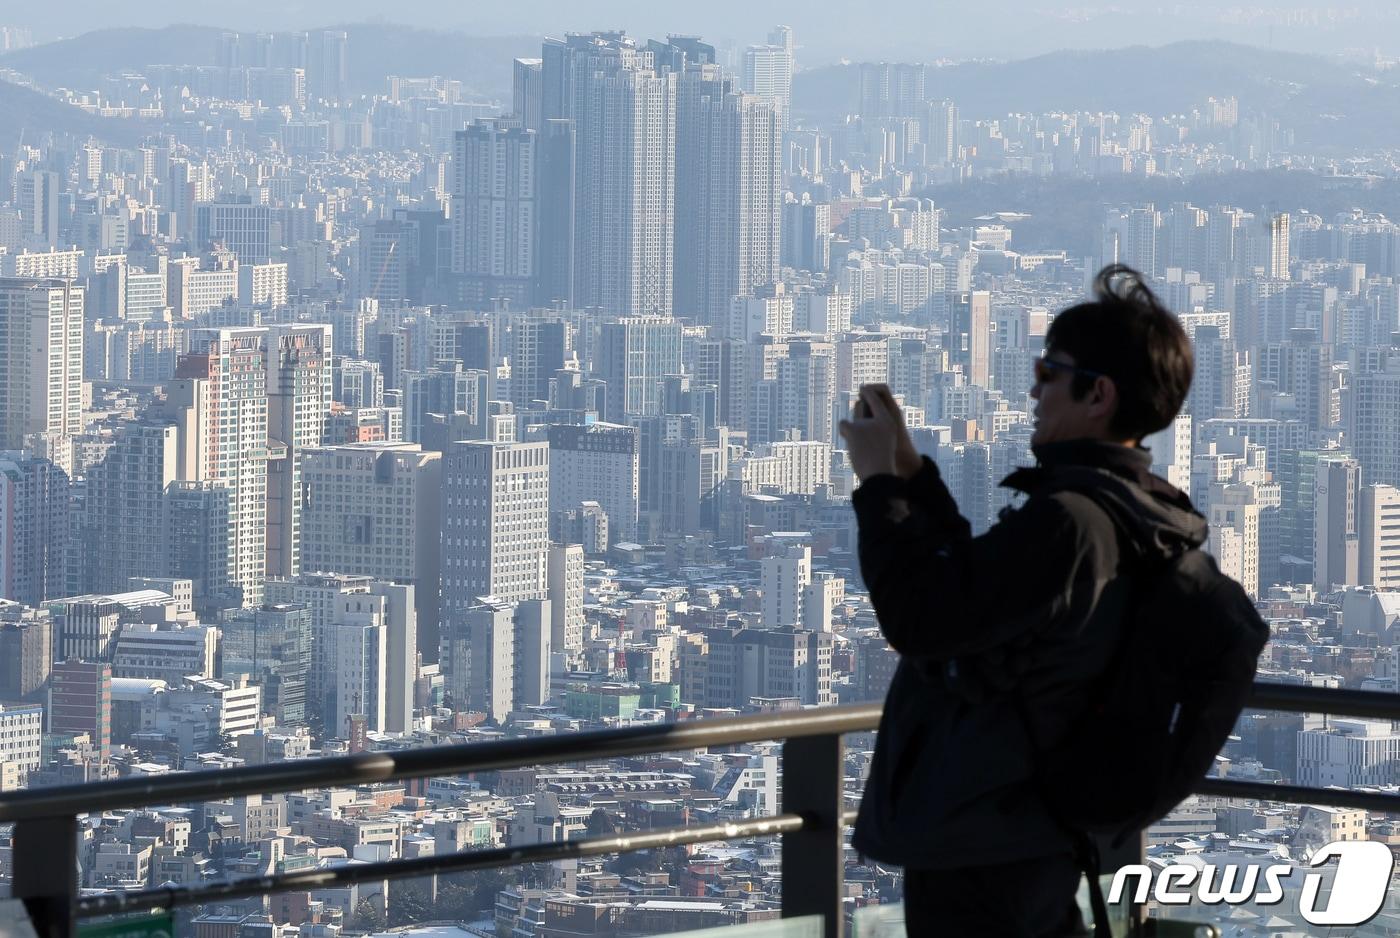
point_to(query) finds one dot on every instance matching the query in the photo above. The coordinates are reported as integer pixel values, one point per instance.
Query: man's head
(1116, 368)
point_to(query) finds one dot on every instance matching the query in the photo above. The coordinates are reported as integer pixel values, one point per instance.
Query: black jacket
(1028, 610)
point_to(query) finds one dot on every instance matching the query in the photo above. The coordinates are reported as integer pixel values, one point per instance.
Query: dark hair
(1126, 334)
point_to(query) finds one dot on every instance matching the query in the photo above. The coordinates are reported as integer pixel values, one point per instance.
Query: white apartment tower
(786, 572)
(41, 360)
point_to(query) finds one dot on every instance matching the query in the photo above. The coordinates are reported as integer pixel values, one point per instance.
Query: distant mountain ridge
(1325, 101)
(28, 114)
(484, 63)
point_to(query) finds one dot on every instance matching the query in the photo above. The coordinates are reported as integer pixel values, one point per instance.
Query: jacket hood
(1158, 518)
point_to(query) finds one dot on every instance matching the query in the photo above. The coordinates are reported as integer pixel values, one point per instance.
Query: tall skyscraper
(1279, 248)
(34, 529)
(125, 504)
(1376, 421)
(1378, 529)
(41, 360)
(495, 526)
(728, 193)
(767, 71)
(526, 93)
(219, 398)
(495, 213)
(1335, 541)
(623, 112)
(297, 359)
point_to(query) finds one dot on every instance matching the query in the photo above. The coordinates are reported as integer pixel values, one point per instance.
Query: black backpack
(1173, 690)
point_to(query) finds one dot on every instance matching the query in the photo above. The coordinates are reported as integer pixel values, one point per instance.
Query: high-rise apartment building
(41, 360)
(767, 72)
(1378, 531)
(125, 504)
(219, 398)
(624, 122)
(496, 204)
(297, 358)
(728, 192)
(34, 528)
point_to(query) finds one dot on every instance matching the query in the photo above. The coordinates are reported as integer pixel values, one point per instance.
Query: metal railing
(812, 825)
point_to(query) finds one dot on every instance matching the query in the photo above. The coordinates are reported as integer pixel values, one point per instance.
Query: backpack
(1174, 687)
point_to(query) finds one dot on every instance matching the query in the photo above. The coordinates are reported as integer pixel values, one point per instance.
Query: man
(1001, 635)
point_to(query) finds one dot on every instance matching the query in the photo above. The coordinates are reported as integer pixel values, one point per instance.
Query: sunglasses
(1047, 368)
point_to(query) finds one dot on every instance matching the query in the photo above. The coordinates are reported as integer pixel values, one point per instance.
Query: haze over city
(378, 379)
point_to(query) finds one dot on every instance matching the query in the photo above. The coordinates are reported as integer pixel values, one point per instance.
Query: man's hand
(877, 440)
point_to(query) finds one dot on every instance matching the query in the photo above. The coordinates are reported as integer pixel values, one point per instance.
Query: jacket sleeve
(940, 593)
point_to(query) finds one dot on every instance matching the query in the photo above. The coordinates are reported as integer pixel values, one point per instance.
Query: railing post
(45, 873)
(813, 774)
(1133, 851)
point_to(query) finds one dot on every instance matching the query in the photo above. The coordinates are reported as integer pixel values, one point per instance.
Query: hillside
(25, 112)
(1325, 102)
(376, 50)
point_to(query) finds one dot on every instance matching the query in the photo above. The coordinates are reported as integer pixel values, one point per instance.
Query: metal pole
(45, 864)
(813, 867)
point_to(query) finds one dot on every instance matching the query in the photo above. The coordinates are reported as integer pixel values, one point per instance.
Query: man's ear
(1104, 398)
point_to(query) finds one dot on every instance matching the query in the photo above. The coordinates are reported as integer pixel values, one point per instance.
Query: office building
(495, 657)
(596, 462)
(633, 355)
(1336, 545)
(495, 527)
(80, 701)
(271, 645)
(376, 509)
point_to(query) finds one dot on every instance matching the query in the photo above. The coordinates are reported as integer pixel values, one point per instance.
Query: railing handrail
(384, 766)
(812, 828)
(368, 767)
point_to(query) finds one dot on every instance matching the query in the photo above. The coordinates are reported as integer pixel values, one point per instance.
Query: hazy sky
(826, 31)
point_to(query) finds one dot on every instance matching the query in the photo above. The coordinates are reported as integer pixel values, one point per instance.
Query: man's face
(1058, 416)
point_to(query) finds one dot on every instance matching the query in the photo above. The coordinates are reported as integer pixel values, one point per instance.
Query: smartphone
(862, 409)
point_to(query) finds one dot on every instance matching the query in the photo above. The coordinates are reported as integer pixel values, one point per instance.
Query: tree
(408, 904)
(369, 915)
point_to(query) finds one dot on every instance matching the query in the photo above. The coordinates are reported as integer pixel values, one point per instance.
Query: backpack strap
(1086, 850)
